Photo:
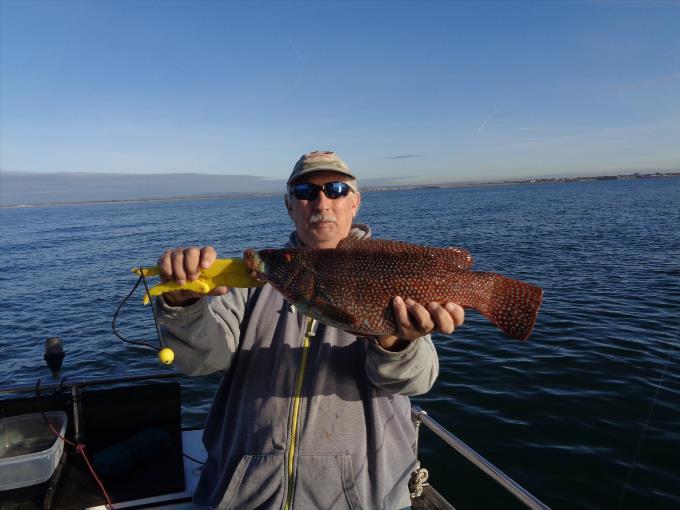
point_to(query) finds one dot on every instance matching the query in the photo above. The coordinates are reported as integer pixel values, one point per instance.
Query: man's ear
(356, 204)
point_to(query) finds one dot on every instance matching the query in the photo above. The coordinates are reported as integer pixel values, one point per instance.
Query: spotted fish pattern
(352, 286)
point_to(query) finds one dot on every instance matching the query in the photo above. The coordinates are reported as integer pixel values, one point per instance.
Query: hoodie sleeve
(411, 371)
(205, 334)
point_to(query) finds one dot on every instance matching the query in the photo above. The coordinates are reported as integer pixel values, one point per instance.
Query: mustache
(319, 217)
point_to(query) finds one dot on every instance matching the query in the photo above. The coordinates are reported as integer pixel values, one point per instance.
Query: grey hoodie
(299, 421)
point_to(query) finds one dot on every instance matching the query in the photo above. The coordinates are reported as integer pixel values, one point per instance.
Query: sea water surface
(585, 415)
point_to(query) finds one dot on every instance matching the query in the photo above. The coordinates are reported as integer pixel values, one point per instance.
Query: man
(307, 416)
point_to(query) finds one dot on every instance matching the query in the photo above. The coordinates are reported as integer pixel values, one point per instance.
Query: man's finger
(442, 318)
(208, 256)
(219, 291)
(178, 273)
(401, 314)
(192, 256)
(420, 315)
(457, 313)
(165, 264)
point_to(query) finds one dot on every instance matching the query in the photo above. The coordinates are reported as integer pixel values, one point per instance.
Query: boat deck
(72, 489)
(111, 417)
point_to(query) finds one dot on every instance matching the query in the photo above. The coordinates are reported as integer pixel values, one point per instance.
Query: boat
(145, 459)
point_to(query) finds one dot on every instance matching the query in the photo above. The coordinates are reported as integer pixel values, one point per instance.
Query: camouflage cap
(317, 161)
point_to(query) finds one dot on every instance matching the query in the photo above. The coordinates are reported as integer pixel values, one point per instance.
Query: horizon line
(375, 188)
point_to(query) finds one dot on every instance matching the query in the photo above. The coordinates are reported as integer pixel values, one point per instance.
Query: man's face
(323, 222)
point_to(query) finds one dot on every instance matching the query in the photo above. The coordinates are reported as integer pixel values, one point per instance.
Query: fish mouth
(254, 263)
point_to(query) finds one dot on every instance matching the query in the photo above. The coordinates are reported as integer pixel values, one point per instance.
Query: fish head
(281, 268)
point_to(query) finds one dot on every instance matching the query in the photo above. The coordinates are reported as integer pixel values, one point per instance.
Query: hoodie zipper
(294, 422)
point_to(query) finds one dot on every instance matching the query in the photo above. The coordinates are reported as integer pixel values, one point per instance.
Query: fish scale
(352, 286)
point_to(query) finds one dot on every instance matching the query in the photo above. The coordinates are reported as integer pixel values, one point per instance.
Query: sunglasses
(309, 191)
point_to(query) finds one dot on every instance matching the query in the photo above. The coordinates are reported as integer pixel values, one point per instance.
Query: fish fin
(380, 245)
(332, 312)
(513, 306)
(454, 257)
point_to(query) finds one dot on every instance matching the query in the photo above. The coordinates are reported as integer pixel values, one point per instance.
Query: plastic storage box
(29, 449)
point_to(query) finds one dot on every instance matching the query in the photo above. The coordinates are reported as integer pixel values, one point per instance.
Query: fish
(352, 287)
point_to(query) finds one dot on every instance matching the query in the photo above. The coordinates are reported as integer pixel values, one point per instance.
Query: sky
(414, 91)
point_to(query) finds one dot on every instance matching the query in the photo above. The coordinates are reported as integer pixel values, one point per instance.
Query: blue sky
(426, 91)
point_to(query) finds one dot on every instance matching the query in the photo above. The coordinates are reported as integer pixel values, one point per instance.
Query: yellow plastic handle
(223, 272)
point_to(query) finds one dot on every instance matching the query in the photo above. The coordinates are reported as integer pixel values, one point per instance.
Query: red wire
(80, 447)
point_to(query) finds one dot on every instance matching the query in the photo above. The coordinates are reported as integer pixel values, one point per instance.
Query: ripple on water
(585, 414)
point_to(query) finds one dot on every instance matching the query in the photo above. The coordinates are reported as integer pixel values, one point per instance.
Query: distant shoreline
(401, 187)
(138, 200)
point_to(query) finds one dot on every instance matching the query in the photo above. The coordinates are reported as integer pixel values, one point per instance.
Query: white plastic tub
(29, 449)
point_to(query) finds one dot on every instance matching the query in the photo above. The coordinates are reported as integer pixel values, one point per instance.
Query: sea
(584, 415)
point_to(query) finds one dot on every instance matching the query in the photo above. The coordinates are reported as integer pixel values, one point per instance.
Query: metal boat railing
(420, 416)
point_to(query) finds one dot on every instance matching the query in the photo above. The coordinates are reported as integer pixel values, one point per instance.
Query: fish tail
(512, 306)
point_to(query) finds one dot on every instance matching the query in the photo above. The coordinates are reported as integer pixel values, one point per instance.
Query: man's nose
(322, 202)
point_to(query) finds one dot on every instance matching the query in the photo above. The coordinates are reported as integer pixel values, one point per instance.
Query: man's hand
(182, 265)
(415, 320)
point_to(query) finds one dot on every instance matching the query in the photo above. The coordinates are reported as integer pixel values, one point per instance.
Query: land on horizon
(24, 189)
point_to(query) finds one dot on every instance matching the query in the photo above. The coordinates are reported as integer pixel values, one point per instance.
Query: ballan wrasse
(352, 286)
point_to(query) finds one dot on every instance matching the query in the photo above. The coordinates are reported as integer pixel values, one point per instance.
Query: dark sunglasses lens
(309, 191)
(306, 191)
(336, 189)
